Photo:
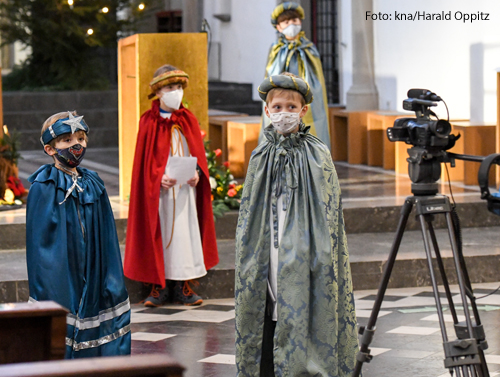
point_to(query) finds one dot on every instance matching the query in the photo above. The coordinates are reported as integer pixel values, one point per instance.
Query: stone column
(192, 16)
(363, 93)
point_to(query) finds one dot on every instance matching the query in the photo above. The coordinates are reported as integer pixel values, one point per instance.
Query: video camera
(430, 139)
(422, 131)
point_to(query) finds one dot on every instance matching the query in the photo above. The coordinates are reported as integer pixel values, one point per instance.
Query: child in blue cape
(72, 247)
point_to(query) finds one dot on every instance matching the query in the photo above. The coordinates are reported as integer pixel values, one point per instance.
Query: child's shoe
(157, 297)
(183, 294)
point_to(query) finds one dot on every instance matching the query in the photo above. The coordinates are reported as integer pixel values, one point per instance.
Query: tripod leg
(369, 330)
(424, 226)
(479, 335)
(458, 368)
(442, 271)
(482, 369)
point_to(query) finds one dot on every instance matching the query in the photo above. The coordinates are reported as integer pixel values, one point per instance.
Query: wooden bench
(380, 150)
(348, 136)
(152, 365)
(32, 332)
(476, 139)
(217, 132)
(242, 139)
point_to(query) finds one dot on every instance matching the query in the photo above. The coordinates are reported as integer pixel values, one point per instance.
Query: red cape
(144, 248)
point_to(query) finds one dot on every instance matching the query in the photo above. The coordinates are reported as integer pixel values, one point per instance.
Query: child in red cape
(170, 232)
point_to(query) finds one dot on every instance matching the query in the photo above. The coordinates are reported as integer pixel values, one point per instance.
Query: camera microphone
(423, 94)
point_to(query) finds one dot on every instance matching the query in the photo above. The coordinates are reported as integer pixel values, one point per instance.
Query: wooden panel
(497, 148)
(380, 150)
(32, 332)
(375, 149)
(400, 156)
(128, 110)
(217, 131)
(348, 137)
(153, 365)
(476, 139)
(357, 137)
(242, 139)
(138, 58)
(1, 104)
(338, 136)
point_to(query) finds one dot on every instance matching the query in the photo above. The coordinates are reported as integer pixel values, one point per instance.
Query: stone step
(231, 96)
(368, 255)
(51, 102)
(26, 112)
(357, 220)
(253, 108)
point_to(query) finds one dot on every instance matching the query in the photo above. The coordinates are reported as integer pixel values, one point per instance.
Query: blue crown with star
(68, 125)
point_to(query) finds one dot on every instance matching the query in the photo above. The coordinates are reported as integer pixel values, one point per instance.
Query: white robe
(272, 280)
(182, 250)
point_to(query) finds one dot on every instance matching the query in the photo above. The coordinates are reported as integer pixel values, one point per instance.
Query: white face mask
(172, 99)
(292, 30)
(284, 122)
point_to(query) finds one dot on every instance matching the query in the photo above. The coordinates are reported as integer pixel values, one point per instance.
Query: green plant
(226, 192)
(9, 147)
(69, 41)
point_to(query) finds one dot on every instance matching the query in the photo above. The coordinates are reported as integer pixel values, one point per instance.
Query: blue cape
(74, 259)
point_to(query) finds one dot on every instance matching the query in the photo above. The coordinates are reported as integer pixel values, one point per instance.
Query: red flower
(218, 152)
(231, 192)
(226, 164)
(203, 134)
(16, 186)
(231, 186)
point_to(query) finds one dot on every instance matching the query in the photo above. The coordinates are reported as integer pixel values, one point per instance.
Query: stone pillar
(363, 93)
(192, 16)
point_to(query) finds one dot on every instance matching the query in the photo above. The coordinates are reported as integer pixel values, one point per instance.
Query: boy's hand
(167, 182)
(194, 181)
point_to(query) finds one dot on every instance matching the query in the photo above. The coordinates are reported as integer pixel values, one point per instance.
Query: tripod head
(424, 169)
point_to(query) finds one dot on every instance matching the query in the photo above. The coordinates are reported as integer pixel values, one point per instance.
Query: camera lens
(441, 128)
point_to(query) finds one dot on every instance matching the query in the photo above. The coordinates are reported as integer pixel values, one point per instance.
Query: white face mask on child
(285, 122)
(172, 99)
(291, 31)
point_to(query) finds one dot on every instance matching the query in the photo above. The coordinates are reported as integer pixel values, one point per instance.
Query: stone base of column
(362, 98)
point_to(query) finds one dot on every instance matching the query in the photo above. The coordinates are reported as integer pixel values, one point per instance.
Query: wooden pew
(380, 150)
(348, 136)
(32, 332)
(152, 365)
(476, 139)
(217, 132)
(242, 139)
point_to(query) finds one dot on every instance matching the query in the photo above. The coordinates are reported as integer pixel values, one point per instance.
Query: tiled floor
(407, 341)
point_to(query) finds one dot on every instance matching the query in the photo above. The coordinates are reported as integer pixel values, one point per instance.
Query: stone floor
(407, 342)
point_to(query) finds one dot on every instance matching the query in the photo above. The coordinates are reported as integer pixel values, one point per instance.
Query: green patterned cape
(316, 331)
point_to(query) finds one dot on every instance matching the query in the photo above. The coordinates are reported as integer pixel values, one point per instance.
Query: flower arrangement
(226, 192)
(12, 191)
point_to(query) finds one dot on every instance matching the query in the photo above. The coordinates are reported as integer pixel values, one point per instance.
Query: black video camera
(422, 131)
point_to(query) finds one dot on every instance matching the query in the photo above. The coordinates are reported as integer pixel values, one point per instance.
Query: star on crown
(74, 122)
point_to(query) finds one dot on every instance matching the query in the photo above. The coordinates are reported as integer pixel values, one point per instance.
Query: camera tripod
(464, 357)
